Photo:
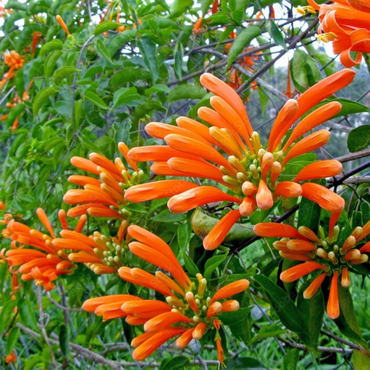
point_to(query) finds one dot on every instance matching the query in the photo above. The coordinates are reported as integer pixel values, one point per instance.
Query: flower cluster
(319, 252)
(190, 308)
(250, 172)
(346, 24)
(103, 197)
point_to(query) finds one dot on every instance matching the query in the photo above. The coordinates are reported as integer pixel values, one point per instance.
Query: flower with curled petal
(189, 308)
(253, 175)
(346, 24)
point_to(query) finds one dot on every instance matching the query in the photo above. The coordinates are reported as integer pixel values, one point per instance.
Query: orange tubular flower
(319, 252)
(197, 29)
(251, 173)
(43, 264)
(346, 24)
(35, 39)
(189, 310)
(62, 24)
(103, 197)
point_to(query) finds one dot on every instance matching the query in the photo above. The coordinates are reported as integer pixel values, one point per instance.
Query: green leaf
(91, 96)
(275, 33)
(312, 311)
(128, 74)
(41, 98)
(264, 100)
(309, 214)
(167, 216)
(360, 361)
(212, 264)
(268, 332)
(124, 95)
(190, 265)
(175, 363)
(27, 314)
(186, 92)
(347, 321)
(241, 42)
(243, 363)
(15, 5)
(6, 313)
(14, 113)
(179, 7)
(103, 51)
(284, 307)
(51, 46)
(298, 70)
(51, 62)
(149, 51)
(145, 109)
(63, 73)
(157, 89)
(64, 339)
(11, 340)
(118, 41)
(291, 359)
(359, 138)
(232, 318)
(105, 26)
(183, 235)
(205, 5)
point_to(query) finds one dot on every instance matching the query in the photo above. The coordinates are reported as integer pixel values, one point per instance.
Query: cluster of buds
(103, 197)
(13, 59)
(190, 308)
(107, 254)
(319, 252)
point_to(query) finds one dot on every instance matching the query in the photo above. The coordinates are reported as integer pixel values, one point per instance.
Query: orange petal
(158, 259)
(214, 119)
(314, 286)
(282, 123)
(150, 345)
(323, 89)
(214, 309)
(308, 144)
(153, 241)
(78, 196)
(135, 307)
(299, 245)
(85, 165)
(45, 221)
(122, 147)
(72, 244)
(314, 119)
(83, 257)
(288, 189)
(161, 130)
(230, 290)
(230, 306)
(189, 146)
(264, 197)
(63, 218)
(169, 282)
(82, 210)
(104, 162)
(228, 113)
(92, 304)
(196, 127)
(199, 330)
(197, 197)
(103, 212)
(185, 338)
(201, 169)
(157, 190)
(217, 235)
(296, 272)
(324, 197)
(164, 320)
(248, 206)
(319, 170)
(157, 153)
(227, 93)
(332, 308)
(272, 230)
(83, 180)
(295, 256)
